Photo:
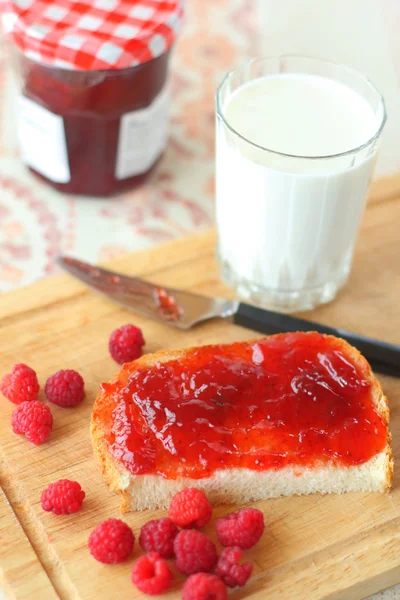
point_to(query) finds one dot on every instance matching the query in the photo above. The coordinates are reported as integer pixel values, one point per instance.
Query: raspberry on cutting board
(204, 586)
(63, 497)
(242, 528)
(190, 508)
(21, 385)
(111, 542)
(65, 388)
(125, 344)
(194, 552)
(151, 574)
(158, 536)
(34, 420)
(230, 571)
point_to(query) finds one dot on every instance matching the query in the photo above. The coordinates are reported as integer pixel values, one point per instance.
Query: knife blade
(171, 306)
(183, 310)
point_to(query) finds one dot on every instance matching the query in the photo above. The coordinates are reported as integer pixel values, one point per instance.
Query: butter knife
(183, 310)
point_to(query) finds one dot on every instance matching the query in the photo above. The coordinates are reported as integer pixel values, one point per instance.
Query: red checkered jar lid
(92, 34)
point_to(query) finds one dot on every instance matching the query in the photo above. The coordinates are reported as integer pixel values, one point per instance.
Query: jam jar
(92, 113)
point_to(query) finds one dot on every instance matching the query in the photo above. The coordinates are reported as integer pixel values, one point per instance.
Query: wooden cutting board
(314, 547)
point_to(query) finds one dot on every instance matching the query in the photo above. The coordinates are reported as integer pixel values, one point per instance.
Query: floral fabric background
(38, 223)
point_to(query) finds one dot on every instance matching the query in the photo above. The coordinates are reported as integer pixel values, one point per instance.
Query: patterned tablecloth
(37, 223)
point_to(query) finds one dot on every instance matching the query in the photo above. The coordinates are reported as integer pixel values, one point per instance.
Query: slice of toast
(294, 413)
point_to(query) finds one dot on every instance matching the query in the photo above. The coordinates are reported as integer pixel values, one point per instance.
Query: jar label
(142, 137)
(42, 140)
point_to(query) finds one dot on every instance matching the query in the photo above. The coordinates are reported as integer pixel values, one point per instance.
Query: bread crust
(119, 479)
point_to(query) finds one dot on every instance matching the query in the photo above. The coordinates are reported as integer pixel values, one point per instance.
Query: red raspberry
(63, 497)
(111, 541)
(151, 574)
(158, 536)
(194, 552)
(33, 419)
(203, 586)
(126, 343)
(65, 388)
(20, 385)
(230, 571)
(243, 528)
(190, 508)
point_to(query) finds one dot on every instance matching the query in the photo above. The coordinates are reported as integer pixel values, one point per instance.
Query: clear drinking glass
(287, 224)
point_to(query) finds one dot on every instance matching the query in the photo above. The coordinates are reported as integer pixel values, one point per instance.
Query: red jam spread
(294, 399)
(92, 104)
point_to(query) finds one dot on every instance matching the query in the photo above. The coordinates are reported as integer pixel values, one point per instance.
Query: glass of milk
(297, 140)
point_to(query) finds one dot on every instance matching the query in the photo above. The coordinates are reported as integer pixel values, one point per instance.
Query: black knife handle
(385, 356)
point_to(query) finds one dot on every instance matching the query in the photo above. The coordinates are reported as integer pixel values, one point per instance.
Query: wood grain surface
(314, 547)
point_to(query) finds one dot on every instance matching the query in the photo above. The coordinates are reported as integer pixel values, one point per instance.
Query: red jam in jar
(292, 399)
(93, 104)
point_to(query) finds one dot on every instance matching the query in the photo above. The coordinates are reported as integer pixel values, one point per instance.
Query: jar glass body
(113, 123)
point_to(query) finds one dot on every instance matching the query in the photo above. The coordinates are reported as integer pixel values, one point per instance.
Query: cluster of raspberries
(194, 553)
(31, 417)
(65, 388)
